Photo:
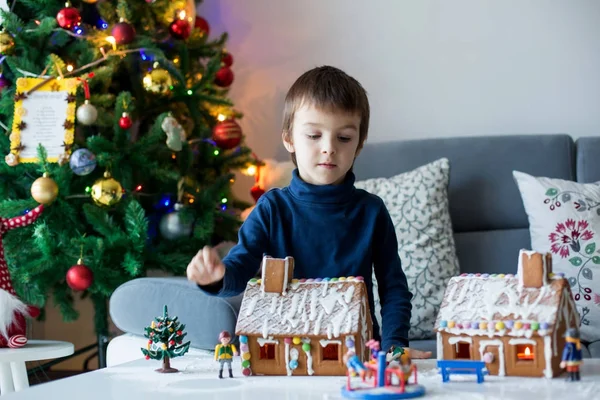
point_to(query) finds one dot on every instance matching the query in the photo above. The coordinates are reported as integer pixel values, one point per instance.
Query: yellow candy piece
(518, 325)
(499, 325)
(483, 325)
(451, 324)
(294, 281)
(259, 281)
(342, 279)
(246, 356)
(296, 340)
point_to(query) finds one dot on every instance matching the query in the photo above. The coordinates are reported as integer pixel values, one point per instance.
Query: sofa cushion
(482, 192)
(588, 162)
(491, 252)
(136, 303)
(418, 204)
(564, 219)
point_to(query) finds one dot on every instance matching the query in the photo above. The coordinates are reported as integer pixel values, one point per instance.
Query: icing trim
(262, 341)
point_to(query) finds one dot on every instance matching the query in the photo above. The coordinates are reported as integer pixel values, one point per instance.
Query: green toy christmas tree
(116, 117)
(165, 341)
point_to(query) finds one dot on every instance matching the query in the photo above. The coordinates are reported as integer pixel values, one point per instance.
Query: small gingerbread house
(301, 327)
(516, 324)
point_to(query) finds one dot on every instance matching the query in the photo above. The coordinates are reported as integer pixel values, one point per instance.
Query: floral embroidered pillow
(564, 219)
(418, 204)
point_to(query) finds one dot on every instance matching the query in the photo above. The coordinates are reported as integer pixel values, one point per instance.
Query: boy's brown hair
(327, 88)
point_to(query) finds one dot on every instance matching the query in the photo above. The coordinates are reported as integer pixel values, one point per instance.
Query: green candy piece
(306, 346)
(535, 326)
(245, 363)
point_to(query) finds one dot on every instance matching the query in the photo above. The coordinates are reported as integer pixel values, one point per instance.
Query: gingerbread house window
(331, 352)
(267, 352)
(525, 352)
(462, 350)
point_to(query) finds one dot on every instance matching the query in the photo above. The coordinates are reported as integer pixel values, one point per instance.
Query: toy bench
(463, 367)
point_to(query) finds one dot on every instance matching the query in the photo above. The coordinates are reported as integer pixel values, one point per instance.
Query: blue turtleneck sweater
(331, 231)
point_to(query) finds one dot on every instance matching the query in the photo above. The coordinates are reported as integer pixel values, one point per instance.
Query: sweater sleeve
(394, 294)
(243, 260)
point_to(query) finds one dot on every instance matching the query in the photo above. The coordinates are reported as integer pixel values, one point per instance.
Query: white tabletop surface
(198, 380)
(37, 350)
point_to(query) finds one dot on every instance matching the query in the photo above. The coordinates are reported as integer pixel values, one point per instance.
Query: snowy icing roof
(499, 305)
(321, 307)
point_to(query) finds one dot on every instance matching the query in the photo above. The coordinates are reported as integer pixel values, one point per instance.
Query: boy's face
(325, 143)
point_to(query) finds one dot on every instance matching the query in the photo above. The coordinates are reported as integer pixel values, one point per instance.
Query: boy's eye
(313, 136)
(345, 139)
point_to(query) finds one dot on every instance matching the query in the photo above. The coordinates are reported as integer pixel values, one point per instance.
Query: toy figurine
(374, 346)
(354, 364)
(571, 357)
(224, 352)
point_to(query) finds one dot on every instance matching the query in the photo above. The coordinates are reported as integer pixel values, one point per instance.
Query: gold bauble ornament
(158, 81)
(7, 43)
(107, 191)
(44, 190)
(90, 1)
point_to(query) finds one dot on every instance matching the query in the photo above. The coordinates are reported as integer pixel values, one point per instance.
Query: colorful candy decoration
(245, 355)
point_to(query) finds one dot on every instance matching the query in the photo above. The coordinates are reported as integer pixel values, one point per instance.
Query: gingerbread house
(516, 324)
(301, 327)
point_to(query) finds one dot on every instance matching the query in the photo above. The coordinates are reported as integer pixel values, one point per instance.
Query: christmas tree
(117, 119)
(165, 341)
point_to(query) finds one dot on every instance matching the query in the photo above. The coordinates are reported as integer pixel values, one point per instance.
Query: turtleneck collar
(324, 194)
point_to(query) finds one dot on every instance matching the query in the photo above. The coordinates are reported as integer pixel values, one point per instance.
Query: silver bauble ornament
(173, 226)
(82, 162)
(87, 113)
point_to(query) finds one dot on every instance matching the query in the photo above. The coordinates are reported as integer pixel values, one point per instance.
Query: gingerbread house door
(490, 350)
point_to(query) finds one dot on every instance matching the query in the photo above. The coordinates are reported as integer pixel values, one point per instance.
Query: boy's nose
(328, 148)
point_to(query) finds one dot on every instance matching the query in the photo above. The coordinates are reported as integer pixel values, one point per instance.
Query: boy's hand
(206, 267)
(418, 354)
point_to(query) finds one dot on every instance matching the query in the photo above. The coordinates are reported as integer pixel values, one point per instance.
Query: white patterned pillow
(564, 219)
(418, 204)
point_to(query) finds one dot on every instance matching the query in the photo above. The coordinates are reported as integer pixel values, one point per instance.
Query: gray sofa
(487, 213)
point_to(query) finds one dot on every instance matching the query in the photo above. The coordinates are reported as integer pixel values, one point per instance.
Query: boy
(330, 228)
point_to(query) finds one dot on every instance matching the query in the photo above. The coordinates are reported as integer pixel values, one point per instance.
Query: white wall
(432, 67)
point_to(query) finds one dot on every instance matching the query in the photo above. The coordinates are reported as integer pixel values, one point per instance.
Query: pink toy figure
(374, 346)
(12, 310)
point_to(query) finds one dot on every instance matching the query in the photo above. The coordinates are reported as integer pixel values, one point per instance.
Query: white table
(198, 380)
(13, 374)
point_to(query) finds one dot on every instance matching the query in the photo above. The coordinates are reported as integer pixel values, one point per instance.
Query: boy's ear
(287, 141)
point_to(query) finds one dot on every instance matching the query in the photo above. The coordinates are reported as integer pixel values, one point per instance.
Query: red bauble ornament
(147, 357)
(68, 17)
(123, 33)
(227, 59)
(180, 29)
(4, 83)
(179, 333)
(227, 134)
(125, 121)
(79, 277)
(256, 192)
(202, 25)
(172, 343)
(224, 77)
